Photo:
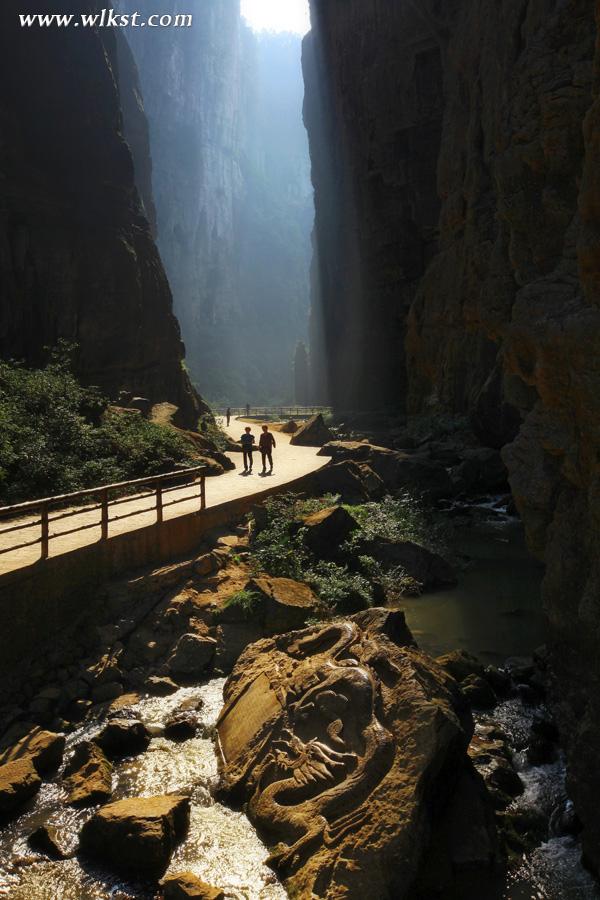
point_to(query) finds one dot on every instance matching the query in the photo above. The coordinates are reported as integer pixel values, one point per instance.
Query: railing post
(45, 531)
(202, 492)
(104, 515)
(159, 503)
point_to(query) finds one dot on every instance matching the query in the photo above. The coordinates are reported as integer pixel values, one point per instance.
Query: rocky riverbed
(130, 759)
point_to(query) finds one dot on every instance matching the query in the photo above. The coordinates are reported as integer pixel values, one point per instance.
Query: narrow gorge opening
(233, 194)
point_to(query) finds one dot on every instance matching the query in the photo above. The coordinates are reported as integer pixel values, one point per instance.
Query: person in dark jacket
(266, 445)
(228, 416)
(247, 441)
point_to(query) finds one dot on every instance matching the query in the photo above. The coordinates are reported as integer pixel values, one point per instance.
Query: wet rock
(104, 693)
(187, 886)
(88, 776)
(313, 433)
(192, 655)
(160, 686)
(460, 664)
(326, 529)
(123, 737)
(498, 679)
(544, 727)
(521, 668)
(78, 710)
(52, 842)
(540, 750)
(337, 718)
(430, 569)
(44, 748)
(478, 692)
(137, 836)
(505, 779)
(19, 782)
(182, 725)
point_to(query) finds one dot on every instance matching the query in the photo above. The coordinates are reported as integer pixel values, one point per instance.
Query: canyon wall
(231, 178)
(461, 268)
(77, 258)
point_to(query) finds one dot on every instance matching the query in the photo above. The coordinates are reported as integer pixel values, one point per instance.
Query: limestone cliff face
(499, 318)
(373, 109)
(77, 258)
(233, 194)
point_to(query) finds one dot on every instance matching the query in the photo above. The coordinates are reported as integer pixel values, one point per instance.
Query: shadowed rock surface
(77, 257)
(455, 161)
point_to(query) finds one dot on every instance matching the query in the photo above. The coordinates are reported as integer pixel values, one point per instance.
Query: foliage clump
(354, 579)
(57, 435)
(244, 600)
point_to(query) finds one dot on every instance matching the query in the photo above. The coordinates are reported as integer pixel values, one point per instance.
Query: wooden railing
(50, 510)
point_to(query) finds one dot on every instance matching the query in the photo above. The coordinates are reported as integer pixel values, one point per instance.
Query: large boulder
(44, 748)
(19, 782)
(344, 478)
(137, 836)
(187, 886)
(123, 737)
(347, 749)
(326, 529)
(280, 605)
(88, 776)
(191, 656)
(430, 569)
(357, 451)
(313, 433)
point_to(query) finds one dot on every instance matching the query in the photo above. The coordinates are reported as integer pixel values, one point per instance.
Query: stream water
(221, 847)
(495, 612)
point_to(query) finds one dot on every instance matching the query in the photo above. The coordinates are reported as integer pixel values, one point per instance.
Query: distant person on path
(228, 415)
(247, 441)
(266, 445)
(247, 409)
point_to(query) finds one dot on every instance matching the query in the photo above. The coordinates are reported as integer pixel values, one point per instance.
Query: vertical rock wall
(499, 317)
(233, 194)
(77, 258)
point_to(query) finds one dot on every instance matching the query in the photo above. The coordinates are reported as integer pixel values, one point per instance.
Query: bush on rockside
(58, 436)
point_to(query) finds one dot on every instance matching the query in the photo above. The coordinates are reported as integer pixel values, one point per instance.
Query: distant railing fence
(289, 412)
(102, 500)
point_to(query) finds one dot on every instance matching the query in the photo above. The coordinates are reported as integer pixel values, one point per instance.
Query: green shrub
(400, 518)
(57, 436)
(245, 600)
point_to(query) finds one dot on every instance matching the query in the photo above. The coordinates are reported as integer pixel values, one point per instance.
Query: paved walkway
(289, 463)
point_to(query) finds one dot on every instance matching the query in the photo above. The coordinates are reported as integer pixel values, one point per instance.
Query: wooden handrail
(58, 499)
(188, 477)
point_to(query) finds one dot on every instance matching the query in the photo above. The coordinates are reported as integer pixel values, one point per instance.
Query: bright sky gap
(277, 15)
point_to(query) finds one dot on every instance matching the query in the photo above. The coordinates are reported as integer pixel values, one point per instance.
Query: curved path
(289, 463)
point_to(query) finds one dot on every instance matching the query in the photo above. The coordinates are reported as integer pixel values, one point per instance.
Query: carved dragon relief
(313, 749)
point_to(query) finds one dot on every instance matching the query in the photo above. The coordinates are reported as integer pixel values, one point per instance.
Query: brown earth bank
(463, 137)
(77, 256)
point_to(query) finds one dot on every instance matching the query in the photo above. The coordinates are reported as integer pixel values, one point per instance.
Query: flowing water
(495, 612)
(221, 847)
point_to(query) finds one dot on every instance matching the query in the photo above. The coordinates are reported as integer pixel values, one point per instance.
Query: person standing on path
(228, 416)
(266, 446)
(247, 441)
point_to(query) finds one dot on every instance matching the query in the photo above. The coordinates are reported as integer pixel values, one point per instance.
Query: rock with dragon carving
(348, 746)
